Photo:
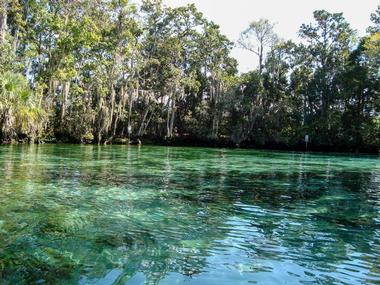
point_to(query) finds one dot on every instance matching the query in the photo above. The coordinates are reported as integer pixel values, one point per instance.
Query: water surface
(72, 214)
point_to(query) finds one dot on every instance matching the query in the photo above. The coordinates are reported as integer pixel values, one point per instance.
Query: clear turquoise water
(73, 214)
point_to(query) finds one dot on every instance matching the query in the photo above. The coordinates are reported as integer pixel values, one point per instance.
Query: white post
(129, 131)
(307, 138)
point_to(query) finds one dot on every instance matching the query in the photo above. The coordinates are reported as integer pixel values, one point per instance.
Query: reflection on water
(155, 215)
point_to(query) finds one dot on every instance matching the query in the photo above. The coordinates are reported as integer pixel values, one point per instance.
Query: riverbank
(222, 143)
(268, 146)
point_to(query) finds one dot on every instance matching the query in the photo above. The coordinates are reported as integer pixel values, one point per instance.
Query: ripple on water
(155, 215)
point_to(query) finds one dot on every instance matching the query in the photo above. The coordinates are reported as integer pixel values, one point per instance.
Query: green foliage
(92, 71)
(20, 113)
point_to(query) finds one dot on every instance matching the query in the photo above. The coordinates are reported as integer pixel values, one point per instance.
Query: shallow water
(72, 214)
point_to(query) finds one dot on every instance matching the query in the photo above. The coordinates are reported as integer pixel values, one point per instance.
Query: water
(155, 215)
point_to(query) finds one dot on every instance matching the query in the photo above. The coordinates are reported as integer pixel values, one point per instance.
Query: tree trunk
(172, 118)
(65, 94)
(168, 135)
(143, 122)
(113, 95)
(261, 51)
(3, 20)
(147, 123)
(136, 92)
(171, 114)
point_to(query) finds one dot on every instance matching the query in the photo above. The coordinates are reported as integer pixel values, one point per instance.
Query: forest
(105, 71)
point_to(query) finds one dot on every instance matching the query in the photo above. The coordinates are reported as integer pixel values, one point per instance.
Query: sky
(234, 16)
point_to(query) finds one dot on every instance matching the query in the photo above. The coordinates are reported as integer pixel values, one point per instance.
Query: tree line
(102, 70)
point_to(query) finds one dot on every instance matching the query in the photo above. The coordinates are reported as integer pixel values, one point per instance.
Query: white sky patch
(234, 16)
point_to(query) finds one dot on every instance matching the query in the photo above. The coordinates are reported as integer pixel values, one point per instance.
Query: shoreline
(181, 142)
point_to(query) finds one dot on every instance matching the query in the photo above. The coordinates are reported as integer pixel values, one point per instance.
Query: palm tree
(20, 113)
